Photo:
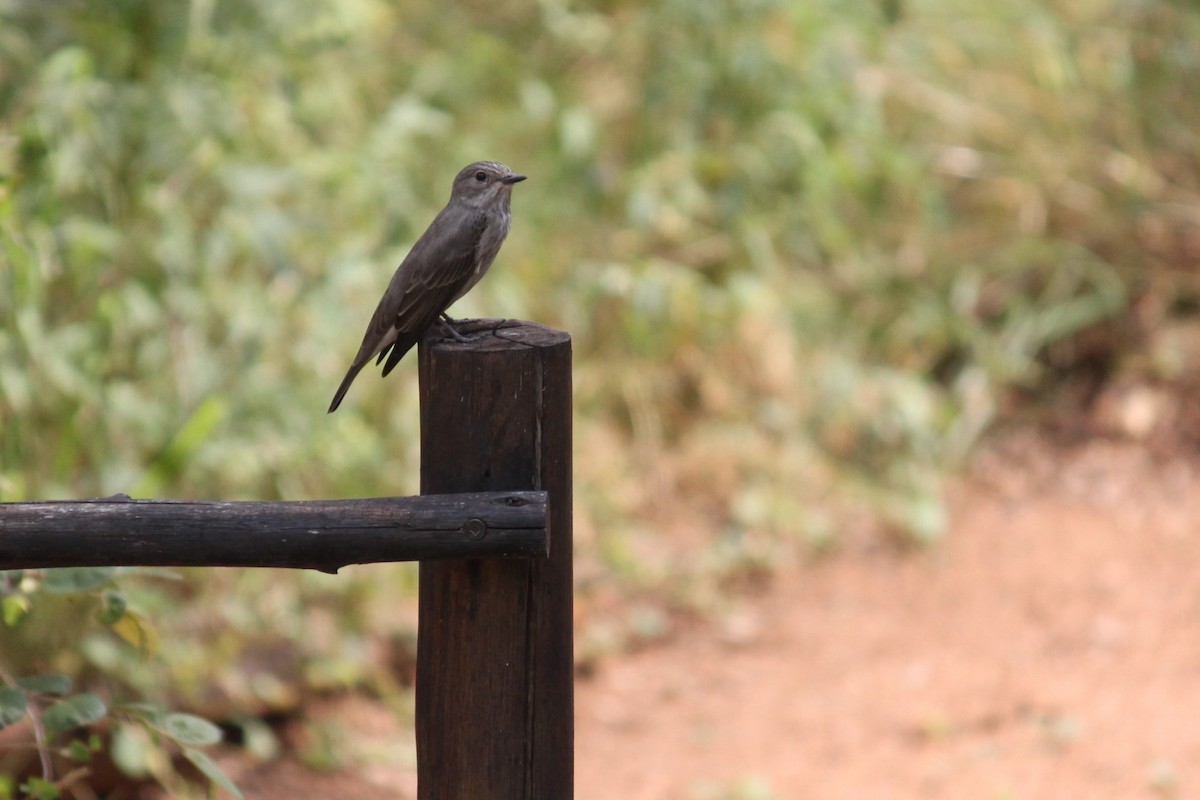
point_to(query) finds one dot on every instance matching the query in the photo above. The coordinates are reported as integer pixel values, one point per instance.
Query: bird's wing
(446, 264)
(443, 260)
(422, 285)
(425, 283)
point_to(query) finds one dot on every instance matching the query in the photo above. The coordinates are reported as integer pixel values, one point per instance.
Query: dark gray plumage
(445, 263)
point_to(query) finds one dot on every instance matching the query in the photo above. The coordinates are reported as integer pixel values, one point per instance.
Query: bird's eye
(481, 176)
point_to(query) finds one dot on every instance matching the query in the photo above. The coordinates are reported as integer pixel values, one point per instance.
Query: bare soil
(1048, 648)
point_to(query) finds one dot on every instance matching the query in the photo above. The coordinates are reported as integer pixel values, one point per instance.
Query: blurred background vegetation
(808, 252)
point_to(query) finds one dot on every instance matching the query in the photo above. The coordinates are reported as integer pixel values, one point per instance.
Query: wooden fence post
(495, 697)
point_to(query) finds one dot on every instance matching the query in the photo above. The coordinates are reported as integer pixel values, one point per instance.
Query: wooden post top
(488, 335)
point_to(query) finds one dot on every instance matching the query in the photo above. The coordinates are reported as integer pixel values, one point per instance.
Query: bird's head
(483, 184)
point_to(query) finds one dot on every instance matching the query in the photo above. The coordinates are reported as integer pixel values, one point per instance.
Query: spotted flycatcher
(445, 263)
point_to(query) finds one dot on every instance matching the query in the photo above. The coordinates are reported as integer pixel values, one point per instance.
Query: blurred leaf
(40, 789)
(113, 609)
(12, 705)
(189, 729)
(46, 684)
(212, 771)
(14, 608)
(70, 580)
(73, 712)
(133, 752)
(77, 750)
(138, 632)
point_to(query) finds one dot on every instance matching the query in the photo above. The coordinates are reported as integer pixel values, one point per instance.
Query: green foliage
(210, 770)
(73, 712)
(839, 236)
(62, 724)
(12, 705)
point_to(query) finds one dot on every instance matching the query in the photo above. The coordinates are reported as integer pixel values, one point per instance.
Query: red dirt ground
(1049, 648)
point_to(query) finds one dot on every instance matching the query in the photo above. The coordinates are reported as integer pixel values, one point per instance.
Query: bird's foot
(449, 324)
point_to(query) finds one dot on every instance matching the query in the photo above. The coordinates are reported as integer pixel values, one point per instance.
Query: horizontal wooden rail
(318, 534)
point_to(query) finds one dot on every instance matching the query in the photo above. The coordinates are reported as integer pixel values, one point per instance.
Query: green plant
(65, 727)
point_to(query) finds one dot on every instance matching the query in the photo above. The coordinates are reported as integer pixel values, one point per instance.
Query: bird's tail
(351, 374)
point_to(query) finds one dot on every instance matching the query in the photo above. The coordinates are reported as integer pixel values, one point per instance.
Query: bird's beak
(513, 178)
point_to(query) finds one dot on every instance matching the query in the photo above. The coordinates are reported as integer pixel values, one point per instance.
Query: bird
(446, 262)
